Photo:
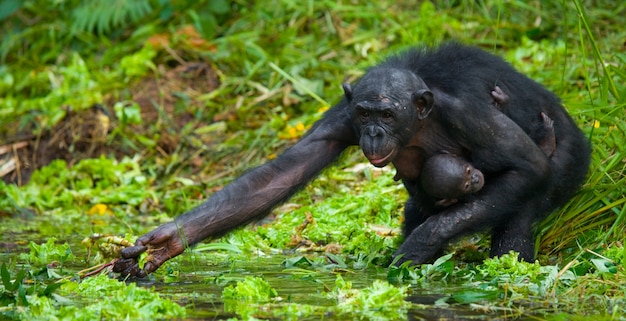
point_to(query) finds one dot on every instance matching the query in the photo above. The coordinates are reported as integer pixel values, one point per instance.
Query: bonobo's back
(464, 71)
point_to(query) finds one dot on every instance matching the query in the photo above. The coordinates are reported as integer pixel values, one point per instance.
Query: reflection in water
(202, 289)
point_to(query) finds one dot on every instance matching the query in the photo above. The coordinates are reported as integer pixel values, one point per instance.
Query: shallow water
(201, 277)
(205, 294)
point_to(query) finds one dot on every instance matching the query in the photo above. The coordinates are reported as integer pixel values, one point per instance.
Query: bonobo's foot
(548, 123)
(161, 245)
(499, 96)
(524, 246)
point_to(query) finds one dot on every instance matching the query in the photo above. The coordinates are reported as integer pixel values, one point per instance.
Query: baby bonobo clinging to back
(448, 177)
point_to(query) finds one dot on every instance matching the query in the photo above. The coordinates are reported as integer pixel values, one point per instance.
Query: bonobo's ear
(423, 101)
(347, 90)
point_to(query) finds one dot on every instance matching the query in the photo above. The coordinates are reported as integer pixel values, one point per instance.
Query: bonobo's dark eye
(467, 186)
(387, 115)
(364, 113)
(468, 170)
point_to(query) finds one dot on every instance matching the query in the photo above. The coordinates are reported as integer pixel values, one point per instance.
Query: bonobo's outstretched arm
(250, 197)
(498, 146)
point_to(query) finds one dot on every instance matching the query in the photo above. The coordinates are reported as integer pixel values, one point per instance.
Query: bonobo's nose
(475, 178)
(374, 131)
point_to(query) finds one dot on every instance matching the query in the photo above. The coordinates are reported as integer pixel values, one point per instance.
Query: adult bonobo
(403, 111)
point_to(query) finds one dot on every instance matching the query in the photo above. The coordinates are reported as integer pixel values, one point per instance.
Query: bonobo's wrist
(189, 228)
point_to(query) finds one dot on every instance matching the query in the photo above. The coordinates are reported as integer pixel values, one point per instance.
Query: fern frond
(102, 16)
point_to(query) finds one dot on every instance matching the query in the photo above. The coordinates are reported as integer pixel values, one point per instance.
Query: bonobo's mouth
(382, 161)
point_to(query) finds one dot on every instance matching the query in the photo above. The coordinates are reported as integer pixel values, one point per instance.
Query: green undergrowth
(90, 182)
(505, 282)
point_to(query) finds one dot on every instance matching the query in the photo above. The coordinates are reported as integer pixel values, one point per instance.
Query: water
(200, 290)
(201, 277)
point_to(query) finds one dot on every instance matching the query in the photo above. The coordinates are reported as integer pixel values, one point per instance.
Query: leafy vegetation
(379, 301)
(117, 116)
(103, 298)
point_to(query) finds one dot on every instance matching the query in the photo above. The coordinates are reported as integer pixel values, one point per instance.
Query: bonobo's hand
(161, 244)
(416, 254)
(424, 243)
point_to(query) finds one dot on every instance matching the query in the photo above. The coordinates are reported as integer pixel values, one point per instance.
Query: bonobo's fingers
(132, 270)
(128, 264)
(122, 264)
(149, 268)
(126, 267)
(133, 251)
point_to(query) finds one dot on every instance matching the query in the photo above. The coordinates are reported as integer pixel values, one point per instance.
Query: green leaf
(604, 266)
(337, 260)
(52, 287)
(441, 262)
(251, 289)
(21, 294)
(470, 296)
(8, 7)
(128, 112)
(6, 276)
(218, 247)
(297, 261)
(219, 6)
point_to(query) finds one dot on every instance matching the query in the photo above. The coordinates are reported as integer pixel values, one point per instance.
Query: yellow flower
(292, 132)
(100, 209)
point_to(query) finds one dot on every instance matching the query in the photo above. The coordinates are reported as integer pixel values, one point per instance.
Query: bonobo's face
(472, 179)
(385, 104)
(448, 176)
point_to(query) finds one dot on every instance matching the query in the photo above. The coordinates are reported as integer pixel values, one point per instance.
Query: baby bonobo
(448, 177)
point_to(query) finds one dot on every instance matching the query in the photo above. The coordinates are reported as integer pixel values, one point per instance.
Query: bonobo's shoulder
(335, 125)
